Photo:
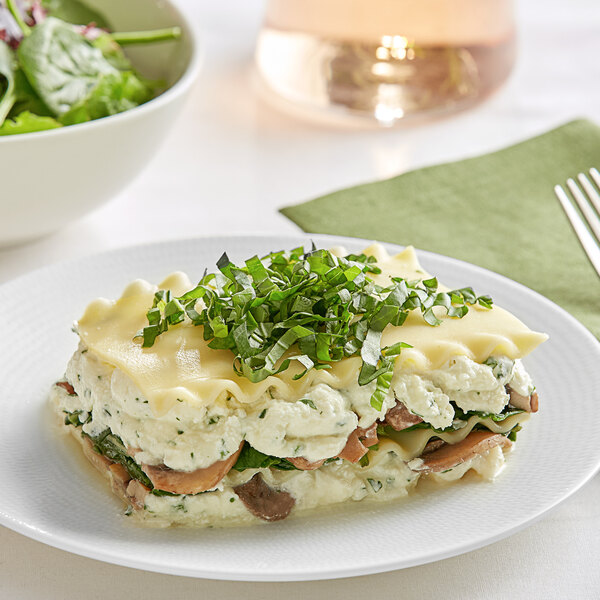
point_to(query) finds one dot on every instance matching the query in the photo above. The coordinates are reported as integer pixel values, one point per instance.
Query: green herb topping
(308, 402)
(311, 307)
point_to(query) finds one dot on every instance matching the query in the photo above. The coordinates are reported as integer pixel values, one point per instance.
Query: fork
(588, 202)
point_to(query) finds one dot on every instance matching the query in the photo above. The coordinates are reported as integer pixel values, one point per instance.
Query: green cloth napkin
(497, 210)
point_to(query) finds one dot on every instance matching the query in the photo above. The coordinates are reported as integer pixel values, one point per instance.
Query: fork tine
(587, 241)
(595, 175)
(586, 210)
(591, 192)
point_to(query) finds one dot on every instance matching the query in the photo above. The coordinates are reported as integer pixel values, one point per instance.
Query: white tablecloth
(229, 163)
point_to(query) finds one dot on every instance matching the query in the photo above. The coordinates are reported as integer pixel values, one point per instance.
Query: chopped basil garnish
(308, 402)
(324, 307)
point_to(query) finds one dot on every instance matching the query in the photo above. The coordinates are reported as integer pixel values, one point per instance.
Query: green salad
(60, 64)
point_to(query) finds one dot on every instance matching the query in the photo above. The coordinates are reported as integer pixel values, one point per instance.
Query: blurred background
(237, 149)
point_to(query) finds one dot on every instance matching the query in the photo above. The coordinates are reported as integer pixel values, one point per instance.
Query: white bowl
(50, 178)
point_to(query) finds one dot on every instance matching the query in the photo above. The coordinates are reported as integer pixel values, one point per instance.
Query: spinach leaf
(62, 67)
(506, 412)
(111, 446)
(156, 492)
(74, 418)
(512, 434)
(74, 12)
(250, 458)
(113, 94)
(27, 122)
(7, 81)
(27, 98)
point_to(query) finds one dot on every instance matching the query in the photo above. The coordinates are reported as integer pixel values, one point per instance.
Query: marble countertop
(229, 163)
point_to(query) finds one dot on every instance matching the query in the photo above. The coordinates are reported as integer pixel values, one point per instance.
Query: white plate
(51, 494)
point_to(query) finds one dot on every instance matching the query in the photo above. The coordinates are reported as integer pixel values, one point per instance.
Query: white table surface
(228, 164)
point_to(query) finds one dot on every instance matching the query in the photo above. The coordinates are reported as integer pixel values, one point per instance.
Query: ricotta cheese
(473, 386)
(315, 426)
(424, 399)
(521, 381)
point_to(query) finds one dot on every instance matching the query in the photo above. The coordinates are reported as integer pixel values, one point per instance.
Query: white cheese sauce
(315, 426)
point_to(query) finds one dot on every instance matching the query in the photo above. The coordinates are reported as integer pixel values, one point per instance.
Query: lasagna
(291, 382)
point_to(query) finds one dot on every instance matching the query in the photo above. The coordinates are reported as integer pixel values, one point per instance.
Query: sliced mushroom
(359, 442)
(452, 455)
(399, 417)
(65, 385)
(119, 478)
(131, 490)
(306, 465)
(433, 445)
(190, 482)
(136, 493)
(264, 502)
(357, 445)
(528, 403)
(368, 436)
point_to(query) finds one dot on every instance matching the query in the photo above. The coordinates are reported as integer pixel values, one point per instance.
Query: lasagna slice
(291, 382)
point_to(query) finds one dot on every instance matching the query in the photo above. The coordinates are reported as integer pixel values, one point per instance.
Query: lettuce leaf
(114, 93)
(27, 122)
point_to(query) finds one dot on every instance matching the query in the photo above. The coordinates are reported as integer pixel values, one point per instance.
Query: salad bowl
(51, 178)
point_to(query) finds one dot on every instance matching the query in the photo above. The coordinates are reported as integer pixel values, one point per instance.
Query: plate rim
(86, 550)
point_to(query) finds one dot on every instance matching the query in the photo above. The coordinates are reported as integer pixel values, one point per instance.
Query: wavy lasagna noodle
(185, 440)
